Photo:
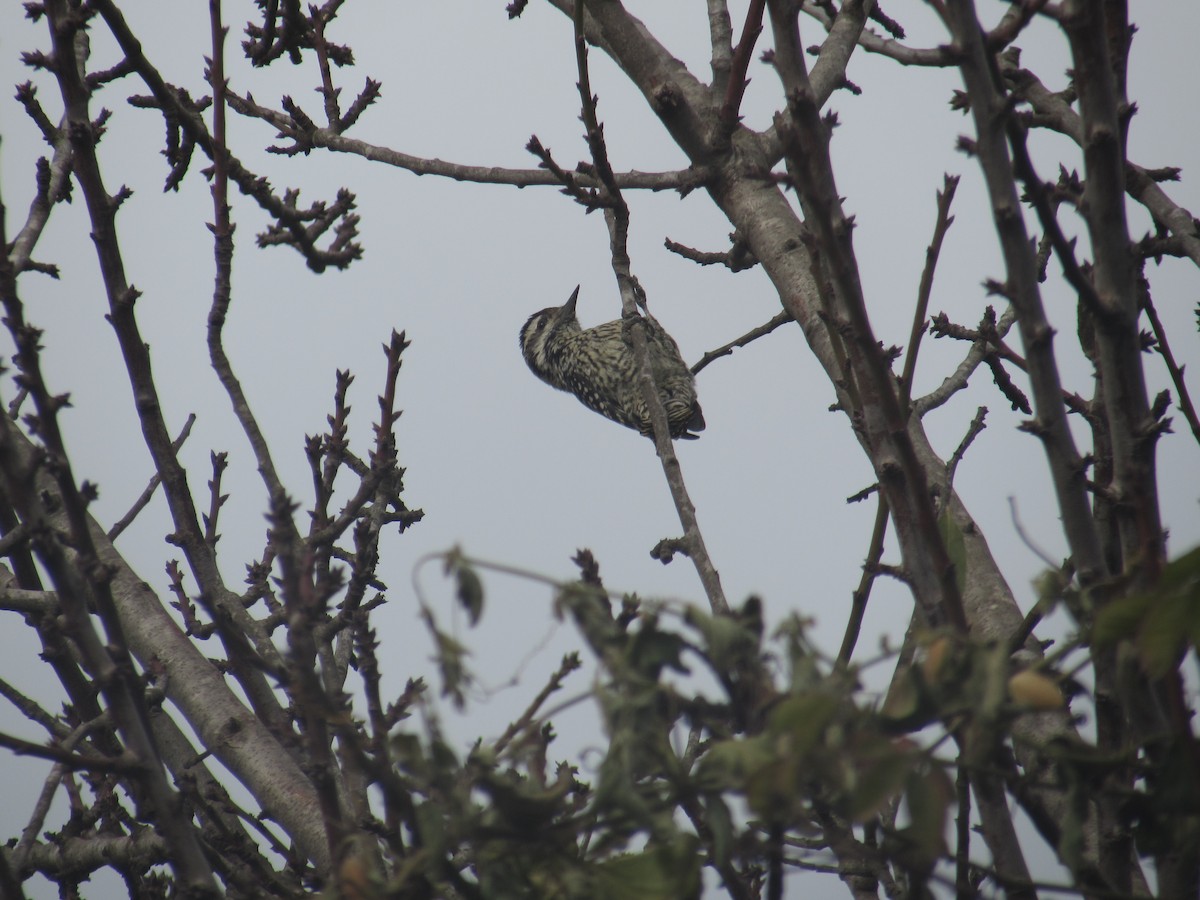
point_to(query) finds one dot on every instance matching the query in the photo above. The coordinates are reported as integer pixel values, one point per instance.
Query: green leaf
(1120, 619)
(1050, 586)
(432, 828)
(727, 764)
(774, 790)
(929, 795)
(525, 805)
(651, 650)
(720, 825)
(956, 547)
(803, 718)
(671, 872)
(728, 642)
(1161, 621)
(469, 587)
(451, 657)
(883, 769)
(905, 695)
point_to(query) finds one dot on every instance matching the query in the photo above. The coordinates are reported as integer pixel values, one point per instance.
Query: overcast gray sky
(502, 465)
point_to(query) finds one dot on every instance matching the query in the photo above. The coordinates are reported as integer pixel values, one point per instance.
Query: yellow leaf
(1034, 690)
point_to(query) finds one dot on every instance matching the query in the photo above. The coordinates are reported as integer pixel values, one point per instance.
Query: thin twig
(991, 112)
(49, 787)
(750, 336)
(959, 378)
(942, 224)
(141, 502)
(570, 662)
(858, 603)
(1175, 370)
(736, 86)
(737, 258)
(1024, 536)
(125, 763)
(962, 824)
(973, 430)
(616, 217)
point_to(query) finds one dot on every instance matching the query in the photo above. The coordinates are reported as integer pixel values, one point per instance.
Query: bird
(598, 367)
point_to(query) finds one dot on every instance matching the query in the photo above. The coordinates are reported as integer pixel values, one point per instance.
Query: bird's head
(540, 329)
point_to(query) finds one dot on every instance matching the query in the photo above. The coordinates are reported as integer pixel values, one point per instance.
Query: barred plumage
(598, 367)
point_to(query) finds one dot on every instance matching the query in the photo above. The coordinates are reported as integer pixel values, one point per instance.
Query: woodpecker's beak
(568, 308)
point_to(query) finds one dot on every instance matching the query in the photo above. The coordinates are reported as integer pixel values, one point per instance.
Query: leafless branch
(989, 109)
(959, 378)
(144, 499)
(806, 152)
(862, 594)
(729, 114)
(616, 216)
(736, 258)
(749, 337)
(973, 431)
(1173, 368)
(313, 137)
(942, 224)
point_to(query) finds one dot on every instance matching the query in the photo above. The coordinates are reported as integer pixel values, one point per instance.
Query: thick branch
(989, 109)
(1130, 425)
(902, 478)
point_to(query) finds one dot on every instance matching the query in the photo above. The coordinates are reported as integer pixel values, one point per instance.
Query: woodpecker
(598, 367)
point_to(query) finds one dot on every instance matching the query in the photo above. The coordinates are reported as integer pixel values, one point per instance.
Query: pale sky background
(503, 466)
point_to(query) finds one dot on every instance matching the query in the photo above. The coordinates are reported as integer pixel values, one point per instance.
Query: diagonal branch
(144, 498)
(750, 336)
(1173, 368)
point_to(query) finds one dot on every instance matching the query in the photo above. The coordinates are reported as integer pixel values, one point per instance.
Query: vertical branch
(223, 251)
(135, 352)
(720, 34)
(736, 86)
(313, 706)
(962, 828)
(249, 675)
(1094, 31)
(945, 197)
(902, 477)
(829, 70)
(858, 604)
(616, 217)
(1132, 430)
(990, 111)
(321, 18)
